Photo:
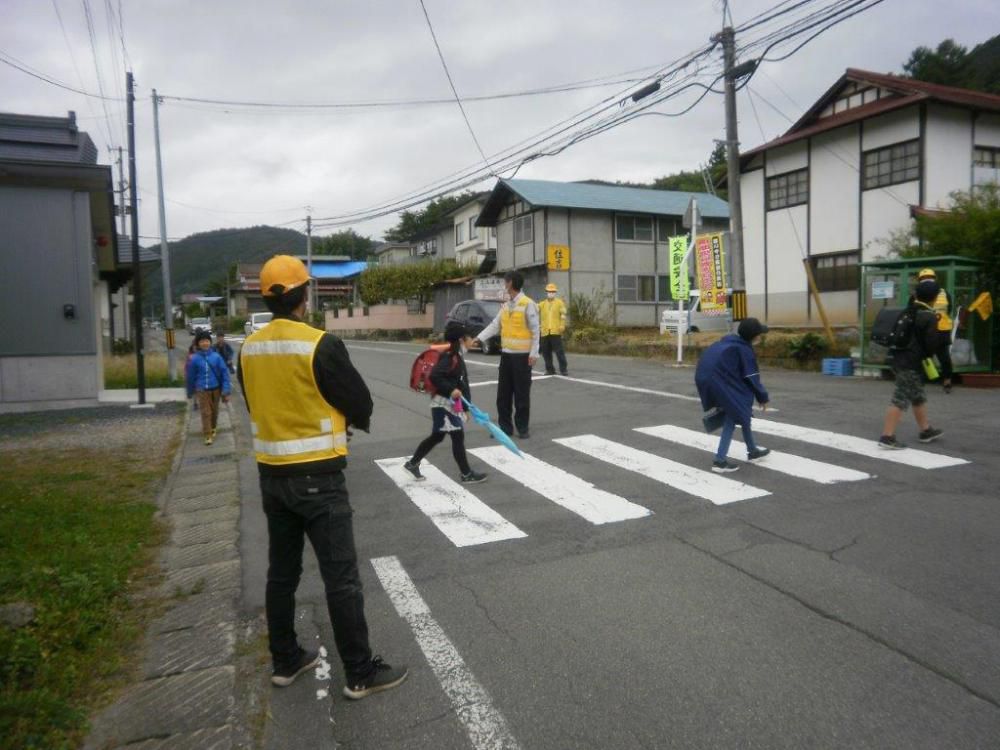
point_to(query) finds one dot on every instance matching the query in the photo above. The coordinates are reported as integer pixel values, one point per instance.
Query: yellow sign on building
(558, 257)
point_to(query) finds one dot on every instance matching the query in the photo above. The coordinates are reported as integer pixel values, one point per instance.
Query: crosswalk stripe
(460, 515)
(703, 484)
(562, 488)
(861, 446)
(786, 463)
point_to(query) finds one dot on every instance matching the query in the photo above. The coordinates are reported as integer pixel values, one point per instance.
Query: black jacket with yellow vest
(303, 394)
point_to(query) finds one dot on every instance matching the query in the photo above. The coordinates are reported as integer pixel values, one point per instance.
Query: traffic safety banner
(679, 284)
(710, 254)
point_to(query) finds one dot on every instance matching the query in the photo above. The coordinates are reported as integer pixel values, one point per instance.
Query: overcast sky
(232, 166)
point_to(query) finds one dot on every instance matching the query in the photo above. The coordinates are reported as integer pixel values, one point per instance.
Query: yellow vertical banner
(558, 257)
(679, 284)
(710, 254)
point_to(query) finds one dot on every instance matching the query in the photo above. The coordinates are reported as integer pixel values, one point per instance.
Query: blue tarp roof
(337, 269)
(604, 198)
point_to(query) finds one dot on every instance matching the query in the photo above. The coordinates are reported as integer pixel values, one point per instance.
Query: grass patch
(77, 538)
(120, 371)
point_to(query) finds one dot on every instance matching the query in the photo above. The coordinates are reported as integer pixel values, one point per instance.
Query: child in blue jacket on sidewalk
(207, 377)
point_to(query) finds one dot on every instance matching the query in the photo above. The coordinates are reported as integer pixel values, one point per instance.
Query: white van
(256, 321)
(695, 319)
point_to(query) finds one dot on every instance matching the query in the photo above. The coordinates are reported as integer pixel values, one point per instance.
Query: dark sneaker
(524, 435)
(414, 471)
(930, 435)
(724, 467)
(757, 453)
(382, 677)
(889, 442)
(564, 373)
(473, 477)
(550, 372)
(285, 675)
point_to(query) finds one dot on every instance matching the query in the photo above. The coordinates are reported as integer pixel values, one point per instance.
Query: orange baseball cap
(927, 273)
(282, 274)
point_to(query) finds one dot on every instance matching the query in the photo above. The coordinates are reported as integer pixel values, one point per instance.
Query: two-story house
(473, 244)
(833, 189)
(603, 238)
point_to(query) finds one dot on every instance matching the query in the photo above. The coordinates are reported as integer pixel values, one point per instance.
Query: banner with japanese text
(679, 284)
(710, 258)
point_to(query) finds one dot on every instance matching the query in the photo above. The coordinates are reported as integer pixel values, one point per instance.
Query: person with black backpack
(907, 356)
(451, 383)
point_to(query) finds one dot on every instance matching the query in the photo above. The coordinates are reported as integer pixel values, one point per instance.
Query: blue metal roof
(615, 198)
(337, 269)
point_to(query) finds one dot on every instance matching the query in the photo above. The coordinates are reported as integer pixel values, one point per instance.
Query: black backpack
(893, 327)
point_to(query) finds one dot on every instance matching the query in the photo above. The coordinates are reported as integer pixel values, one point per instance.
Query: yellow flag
(983, 305)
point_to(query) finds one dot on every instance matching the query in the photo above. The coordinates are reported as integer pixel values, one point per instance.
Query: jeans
(316, 506)
(728, 428)
(549, 345)
(514, 390)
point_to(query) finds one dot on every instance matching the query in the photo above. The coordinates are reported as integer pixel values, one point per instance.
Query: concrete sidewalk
(185, 695)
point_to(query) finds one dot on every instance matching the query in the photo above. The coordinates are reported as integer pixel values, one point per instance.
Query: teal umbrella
(481, 417)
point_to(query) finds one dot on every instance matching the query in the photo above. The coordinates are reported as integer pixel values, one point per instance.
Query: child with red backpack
(449, 382)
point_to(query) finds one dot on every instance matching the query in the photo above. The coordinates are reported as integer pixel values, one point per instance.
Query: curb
(185, 689)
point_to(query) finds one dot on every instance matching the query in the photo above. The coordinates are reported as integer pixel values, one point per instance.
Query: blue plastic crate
(838, 366)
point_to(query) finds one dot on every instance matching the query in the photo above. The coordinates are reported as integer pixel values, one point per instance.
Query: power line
(97, 67)
(458, 99)
(223, 211)
(49, 79)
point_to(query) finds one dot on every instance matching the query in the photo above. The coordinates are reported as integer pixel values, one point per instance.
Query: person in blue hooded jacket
(728, 379)
(208, 377)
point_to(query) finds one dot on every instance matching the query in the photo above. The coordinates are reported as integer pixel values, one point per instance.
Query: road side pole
(682, 318)
(140, 355)
(168, 307)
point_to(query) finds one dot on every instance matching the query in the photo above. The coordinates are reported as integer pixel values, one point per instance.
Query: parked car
(476, 314)
(256, 321)
(696, 319)
(199, 324)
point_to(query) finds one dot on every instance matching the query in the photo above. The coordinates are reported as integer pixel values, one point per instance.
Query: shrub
(592, 335)
(807, 346)
(590, 311)
(122, 346)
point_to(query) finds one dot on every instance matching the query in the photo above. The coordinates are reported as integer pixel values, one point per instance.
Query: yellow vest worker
(294, 423)
(515, 335)
(552, 316)
(303, 392)
(942, 303)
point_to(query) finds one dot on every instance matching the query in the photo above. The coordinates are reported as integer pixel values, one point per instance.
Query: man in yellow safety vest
(517, 323)
(552, 311)
(304, 394)
(942, 307)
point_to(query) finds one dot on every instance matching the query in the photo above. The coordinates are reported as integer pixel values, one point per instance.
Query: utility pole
(309, 263)
(140, 364)
(168, 308)
(124, 233)
(728, 39)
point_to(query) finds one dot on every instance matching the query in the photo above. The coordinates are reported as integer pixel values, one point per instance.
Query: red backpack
(420, 373)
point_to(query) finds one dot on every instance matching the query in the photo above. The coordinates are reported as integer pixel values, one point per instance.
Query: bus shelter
(889, 283)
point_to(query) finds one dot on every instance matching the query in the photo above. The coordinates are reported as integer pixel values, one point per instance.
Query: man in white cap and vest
(552, 312)
(942, 308)
(304, 394)
(517, 323)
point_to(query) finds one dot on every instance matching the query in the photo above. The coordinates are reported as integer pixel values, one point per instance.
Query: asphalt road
(859, 613)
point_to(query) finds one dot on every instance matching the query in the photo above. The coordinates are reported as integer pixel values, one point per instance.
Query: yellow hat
(551, 288)
(926, 273)
(281, 274)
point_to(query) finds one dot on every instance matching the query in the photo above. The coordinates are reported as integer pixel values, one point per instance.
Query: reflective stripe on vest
(941, 308)
(515, 335)
(292, 422)
(552, 315)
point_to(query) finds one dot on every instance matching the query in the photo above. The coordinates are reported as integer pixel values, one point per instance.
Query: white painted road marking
(485, 725)
(786, 463)
(633, 389)
(703, 484)
(459, 514)
(562, 488)
(861, 446)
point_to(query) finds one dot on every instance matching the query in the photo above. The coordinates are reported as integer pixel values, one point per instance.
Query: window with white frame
(893, 164)
(788, 189)
(634, 228)
(523, 226)
(459, 233)
(473, 229)
(636, 288)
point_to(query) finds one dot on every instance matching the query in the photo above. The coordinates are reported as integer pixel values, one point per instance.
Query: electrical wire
(97, 67)
(50, 80)
(458, 99)
(223, 211)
